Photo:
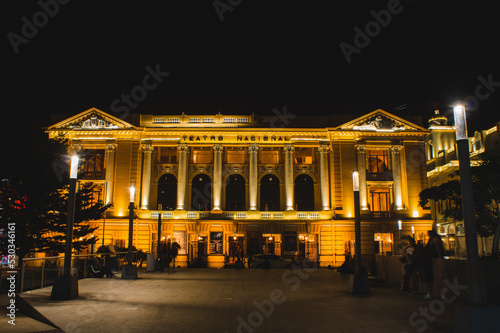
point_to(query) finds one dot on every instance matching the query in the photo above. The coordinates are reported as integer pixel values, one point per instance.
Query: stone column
(323, 179)
(182, 176)
(289, 199)
(253, 150)
(362, 177)
(147, 149)
(217, 188)
(110, 171)
(396, 176)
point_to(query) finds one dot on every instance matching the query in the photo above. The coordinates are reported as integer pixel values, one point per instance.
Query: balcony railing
(239, 215)
(382, 215)
(379, 176)
(92, 175)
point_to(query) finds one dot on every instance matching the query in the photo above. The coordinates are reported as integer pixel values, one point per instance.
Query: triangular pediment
(92, 119)
(381, 121)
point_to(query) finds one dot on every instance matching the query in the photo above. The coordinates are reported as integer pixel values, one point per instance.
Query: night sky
(261, 56)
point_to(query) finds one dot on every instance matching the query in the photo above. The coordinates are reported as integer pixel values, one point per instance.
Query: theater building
(262, 184)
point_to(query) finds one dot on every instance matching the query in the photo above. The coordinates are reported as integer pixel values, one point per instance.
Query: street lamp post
(473, 269)
(475, 316)
(66, 286)
(159, 258)
(129, 270)
(358, 282)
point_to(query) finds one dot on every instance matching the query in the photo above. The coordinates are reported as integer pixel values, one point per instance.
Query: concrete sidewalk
(228, 300)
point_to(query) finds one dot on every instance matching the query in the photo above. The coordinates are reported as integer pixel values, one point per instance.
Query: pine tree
(34, 196)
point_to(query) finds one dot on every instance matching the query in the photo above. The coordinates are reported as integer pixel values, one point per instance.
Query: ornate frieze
(93, 121)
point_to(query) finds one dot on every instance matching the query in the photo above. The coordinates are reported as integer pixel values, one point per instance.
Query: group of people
(416, 257)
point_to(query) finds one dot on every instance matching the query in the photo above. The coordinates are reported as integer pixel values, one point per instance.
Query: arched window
(269, 193)
(235, 193)
(304, 193)
(201, 193)
(167, 192)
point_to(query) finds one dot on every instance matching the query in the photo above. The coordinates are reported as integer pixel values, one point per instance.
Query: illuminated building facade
(442, 165)
(222, 183)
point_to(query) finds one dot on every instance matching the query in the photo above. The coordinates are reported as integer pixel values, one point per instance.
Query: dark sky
(263, 55)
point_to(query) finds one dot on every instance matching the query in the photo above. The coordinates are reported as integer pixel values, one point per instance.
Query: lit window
(208, 120)
(159, 120)
(236, 155)
(304, 155)
(167, 155)
(270, 155)
(173, 120)
(243, 120)
(202, 155)
(94, 164)
(229, 120)
(377, 161)
(194, 120)
(380, 199)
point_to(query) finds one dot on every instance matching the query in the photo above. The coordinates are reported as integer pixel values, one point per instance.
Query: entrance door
(235, 249)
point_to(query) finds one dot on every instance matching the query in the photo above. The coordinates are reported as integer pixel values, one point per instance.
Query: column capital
(253, 148)
(218, 148)
(323, 149)
(110, 147)
(288, 148)
(361, 148)
(147, 147)
(396, 149)
(76, 147)
(183, 148)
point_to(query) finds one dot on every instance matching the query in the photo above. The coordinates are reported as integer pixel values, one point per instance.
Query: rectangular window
(208, 120)
(202, 155)
(229, 120)
(378, 161)
(304, 155)
(243, 120)
(167, 155)
(380, 199)
(236, 154)
(270, 155)
(194, 120)
(94, 164)
(159, 120)
(173, 120)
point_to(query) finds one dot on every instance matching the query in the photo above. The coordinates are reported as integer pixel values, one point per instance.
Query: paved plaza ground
(229, 300)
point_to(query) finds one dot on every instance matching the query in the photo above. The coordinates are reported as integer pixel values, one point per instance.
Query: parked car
(270, 261)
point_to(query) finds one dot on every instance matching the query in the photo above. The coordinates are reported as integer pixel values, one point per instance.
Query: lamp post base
(129, 272)
(358, 284)
(475, 318)
(65, 288)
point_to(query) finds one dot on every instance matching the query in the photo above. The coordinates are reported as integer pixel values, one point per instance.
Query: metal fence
(38, 273)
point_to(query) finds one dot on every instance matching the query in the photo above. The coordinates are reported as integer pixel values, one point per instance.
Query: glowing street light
(358, 283)
(400, 228)
(473, 268)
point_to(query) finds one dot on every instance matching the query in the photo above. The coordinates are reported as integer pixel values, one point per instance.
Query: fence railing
(38, 273)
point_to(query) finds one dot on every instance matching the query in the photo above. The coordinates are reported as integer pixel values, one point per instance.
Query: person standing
(433, 249)
(113, 258)
(409, 255)
(174, 250)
